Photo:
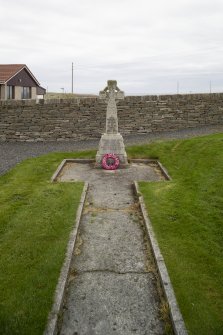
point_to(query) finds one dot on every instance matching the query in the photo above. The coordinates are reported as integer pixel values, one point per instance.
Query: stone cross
(111, 93)
(111, 141)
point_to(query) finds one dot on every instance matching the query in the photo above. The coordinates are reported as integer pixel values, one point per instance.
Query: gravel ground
(13, 153)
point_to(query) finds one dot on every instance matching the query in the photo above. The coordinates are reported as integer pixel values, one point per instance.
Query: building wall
(33, 92)
(17, 93)
(2, 92)
(81, 119)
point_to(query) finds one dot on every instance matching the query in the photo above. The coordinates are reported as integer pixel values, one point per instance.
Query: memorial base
(112, 143)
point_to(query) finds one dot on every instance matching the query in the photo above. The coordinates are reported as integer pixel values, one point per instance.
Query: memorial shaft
(111, 116)
(112, 141)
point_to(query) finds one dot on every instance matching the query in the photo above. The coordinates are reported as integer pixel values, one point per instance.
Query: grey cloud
(147, 46)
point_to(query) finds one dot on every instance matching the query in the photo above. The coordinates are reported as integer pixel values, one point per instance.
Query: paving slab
(100, 177)
(111, 241)
(110, 303)
(112, 284)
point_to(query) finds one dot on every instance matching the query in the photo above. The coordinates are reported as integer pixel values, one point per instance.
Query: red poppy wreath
(110, 162)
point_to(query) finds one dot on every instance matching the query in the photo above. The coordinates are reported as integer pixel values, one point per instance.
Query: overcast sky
(147, 46)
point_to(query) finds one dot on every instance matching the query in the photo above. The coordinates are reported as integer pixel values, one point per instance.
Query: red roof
(8, 71)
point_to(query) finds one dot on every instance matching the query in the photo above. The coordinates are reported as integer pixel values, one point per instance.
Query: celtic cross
(111, 93)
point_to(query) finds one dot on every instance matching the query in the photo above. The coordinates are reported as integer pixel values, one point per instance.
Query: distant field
(54, 95)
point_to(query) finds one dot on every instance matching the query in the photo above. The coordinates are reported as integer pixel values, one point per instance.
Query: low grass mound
(187, 216)
(36, 218)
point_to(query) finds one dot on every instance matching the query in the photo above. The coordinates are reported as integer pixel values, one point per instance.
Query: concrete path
(112, 286)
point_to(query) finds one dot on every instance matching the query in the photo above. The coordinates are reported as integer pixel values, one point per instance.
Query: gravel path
(13, 153)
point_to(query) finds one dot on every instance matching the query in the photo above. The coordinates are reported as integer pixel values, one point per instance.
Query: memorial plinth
(112, 141)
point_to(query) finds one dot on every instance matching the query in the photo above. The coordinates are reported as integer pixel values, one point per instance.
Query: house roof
(8, 71)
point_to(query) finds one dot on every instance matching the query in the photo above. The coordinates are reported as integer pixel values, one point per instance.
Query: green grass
(36, 218)
(60, 95)
(187, 216)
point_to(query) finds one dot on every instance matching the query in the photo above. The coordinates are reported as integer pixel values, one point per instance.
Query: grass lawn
(36, 218)
(187, 216)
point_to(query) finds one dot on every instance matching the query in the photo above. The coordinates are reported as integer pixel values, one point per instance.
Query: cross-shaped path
(112, 286)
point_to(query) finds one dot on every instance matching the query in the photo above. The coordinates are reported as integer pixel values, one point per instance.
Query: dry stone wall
(80, 119)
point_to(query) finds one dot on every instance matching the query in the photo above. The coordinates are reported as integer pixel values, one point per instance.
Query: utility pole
(72, 86)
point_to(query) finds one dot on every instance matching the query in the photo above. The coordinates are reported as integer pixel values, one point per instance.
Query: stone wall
(79, 119)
